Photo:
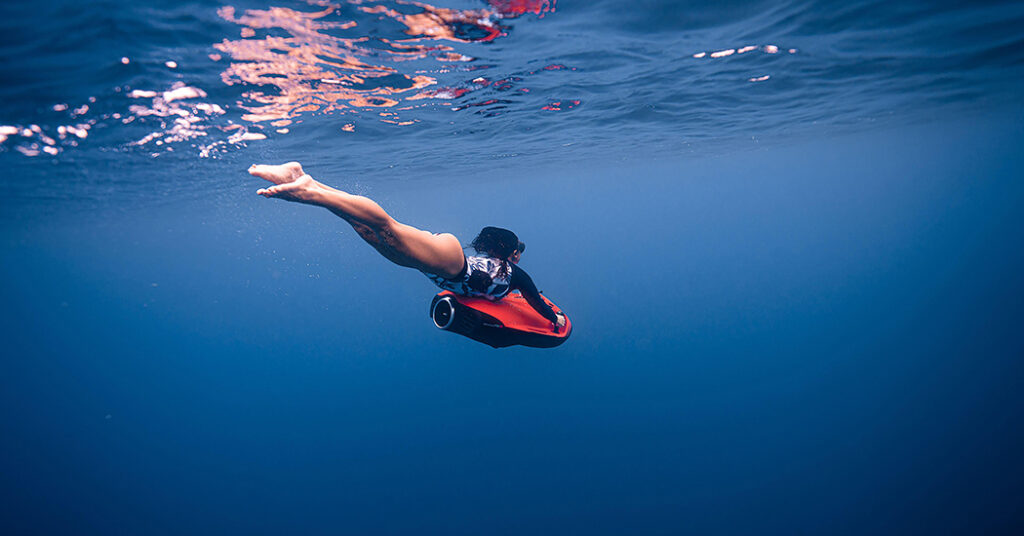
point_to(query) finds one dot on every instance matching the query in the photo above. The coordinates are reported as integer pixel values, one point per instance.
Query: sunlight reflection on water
(293, 64)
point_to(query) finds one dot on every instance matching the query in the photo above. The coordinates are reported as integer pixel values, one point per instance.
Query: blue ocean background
(788, 235)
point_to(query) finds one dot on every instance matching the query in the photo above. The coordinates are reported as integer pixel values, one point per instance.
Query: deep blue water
(788, 235)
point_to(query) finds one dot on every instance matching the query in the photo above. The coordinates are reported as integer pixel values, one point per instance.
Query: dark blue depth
(796, 302)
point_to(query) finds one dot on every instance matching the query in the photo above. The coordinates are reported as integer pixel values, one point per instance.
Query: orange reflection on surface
(440, 23)
(311, 70)
(514, 8)
(294, 62)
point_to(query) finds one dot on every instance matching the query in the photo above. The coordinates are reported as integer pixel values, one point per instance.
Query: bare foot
(277, 174)
(290, 181)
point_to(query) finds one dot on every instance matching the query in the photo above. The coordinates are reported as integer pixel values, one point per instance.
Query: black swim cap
(496, 242)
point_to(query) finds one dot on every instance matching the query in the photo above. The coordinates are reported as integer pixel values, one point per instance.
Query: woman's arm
(522, 281)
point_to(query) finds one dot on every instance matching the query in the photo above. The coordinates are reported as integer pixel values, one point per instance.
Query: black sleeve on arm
(520, 280)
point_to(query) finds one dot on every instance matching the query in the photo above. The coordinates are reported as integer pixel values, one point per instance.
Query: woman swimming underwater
(439, 256)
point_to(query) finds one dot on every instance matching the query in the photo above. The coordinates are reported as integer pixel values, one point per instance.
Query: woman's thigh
(439, 254)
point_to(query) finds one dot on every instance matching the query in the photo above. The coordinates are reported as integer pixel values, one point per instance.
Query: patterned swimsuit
(500, 284)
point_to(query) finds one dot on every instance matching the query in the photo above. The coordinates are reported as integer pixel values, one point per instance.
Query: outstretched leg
(402, 244)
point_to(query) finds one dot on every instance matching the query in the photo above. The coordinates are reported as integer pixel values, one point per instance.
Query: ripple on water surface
(292, 63)
(456, 82)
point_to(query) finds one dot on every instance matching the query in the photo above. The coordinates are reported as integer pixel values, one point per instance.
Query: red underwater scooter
(507, 322)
